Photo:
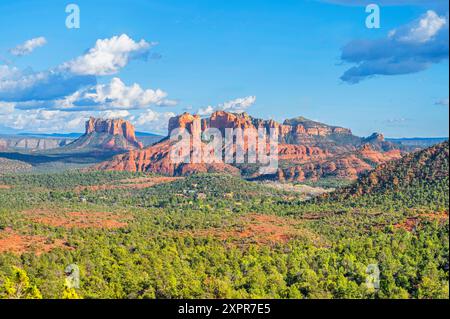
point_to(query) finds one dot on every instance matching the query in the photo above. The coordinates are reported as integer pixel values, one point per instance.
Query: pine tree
(19, 286)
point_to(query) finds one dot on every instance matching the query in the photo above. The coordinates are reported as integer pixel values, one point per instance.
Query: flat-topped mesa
(118, 127)
(301, 125)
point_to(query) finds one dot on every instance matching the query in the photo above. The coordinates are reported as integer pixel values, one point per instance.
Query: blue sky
(273, 59)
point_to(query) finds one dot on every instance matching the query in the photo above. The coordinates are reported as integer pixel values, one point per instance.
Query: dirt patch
(100, 220)
(13, 242)
(411, 223)
(443, 216)
(154, 179)
(5, 186)
(132, 183)
(306, 190)
(261, 229)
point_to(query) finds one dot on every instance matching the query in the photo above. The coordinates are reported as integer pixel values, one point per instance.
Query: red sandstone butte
(113, 127)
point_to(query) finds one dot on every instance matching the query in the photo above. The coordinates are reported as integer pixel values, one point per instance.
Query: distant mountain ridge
(73, 135)
(419, 142)
(52, 135)
(29, 143)
(43, 141)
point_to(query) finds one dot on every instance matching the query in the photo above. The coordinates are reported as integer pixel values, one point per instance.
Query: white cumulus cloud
(28, 46)
(113, 95)
(44, 121)
(116, 93)
(20, 86)
(421, 31)
(48, 121)
(6, 108)
(62, 98)
(67, 81)
(108, 56)
(152, 121)
(115, 114)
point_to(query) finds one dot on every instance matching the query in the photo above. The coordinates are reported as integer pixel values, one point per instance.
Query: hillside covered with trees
(140, 235)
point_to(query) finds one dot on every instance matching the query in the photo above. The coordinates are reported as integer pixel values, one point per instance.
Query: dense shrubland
(168, 248)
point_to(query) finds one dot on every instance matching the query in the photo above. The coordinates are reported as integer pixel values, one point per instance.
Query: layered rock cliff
(106, 135)
(191, 123)
(156, 158)
(347, 165)
(306, 150)
(292, 129)
(117, 127)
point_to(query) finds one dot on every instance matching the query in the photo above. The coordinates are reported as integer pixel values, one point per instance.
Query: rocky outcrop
(345, 166)
(106, 136)
(223, 120)
(157, 159)
(300, 153)
(369, 153)
(191, 123)
(306, 150)
(301, 125)
(291, 130)
(375, 137)
(113, 127)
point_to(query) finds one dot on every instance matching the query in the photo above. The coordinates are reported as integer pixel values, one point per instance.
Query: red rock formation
(113, 127)
(301, 153)
(157, 159)
(290, 130)
(346, 166)
(223, 120)
(191, 123)
(375, 137)
(307, 149)
(377, 157)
